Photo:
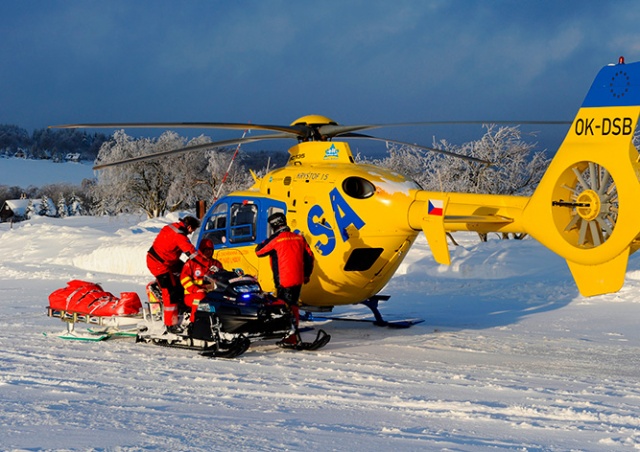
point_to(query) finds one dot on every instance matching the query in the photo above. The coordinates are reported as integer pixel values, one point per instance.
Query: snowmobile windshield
(247, 288)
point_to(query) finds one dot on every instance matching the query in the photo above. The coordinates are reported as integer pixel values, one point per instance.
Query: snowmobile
(235, 313)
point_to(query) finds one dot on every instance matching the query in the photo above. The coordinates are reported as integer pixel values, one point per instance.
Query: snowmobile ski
(79, 336)
(232, 350)
(322, 339)
(207, 348)
(110, 333)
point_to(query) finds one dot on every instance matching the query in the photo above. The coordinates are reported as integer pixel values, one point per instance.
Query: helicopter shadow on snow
(492, 284)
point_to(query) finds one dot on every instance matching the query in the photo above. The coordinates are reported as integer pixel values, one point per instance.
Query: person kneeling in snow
(193, 275)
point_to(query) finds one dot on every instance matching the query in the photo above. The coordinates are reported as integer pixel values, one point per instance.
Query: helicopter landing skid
(372, 303)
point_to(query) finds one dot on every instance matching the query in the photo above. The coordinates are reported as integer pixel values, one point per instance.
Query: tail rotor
(592, 206)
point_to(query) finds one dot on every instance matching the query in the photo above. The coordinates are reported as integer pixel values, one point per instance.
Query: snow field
(510, 357)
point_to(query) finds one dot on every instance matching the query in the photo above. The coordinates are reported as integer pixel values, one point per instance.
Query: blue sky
(273, 61)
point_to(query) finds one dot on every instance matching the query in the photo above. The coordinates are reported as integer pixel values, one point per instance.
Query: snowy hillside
(510, 357)
(23, 173)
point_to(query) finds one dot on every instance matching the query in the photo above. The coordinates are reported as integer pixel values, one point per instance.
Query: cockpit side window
(243, 222)
(216, 227)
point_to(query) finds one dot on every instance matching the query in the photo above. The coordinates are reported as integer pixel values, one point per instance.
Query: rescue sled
(87, 302)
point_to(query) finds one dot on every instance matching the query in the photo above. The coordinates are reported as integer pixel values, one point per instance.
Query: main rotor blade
(197, 147)
(419, 146)
(299, 130)
(331, 130)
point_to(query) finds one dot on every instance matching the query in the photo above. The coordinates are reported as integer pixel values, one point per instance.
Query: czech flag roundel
(435, 207)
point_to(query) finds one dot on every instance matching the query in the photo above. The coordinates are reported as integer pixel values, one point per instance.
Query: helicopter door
(239, 221)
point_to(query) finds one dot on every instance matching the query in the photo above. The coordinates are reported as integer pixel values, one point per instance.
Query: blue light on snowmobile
(246, 296)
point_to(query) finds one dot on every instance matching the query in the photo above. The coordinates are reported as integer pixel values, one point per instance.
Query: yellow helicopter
(361, 220)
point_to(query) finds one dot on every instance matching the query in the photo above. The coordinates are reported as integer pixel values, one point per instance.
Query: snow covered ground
(24, 172)
(510, 357)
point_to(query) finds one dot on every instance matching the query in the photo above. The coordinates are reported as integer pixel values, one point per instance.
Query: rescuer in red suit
(291, 260)
(193, 273)
(163, 261)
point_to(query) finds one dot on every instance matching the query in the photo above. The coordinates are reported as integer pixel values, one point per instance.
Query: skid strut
(372, 303)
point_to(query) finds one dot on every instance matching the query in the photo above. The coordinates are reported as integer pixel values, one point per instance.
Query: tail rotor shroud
(592, 206)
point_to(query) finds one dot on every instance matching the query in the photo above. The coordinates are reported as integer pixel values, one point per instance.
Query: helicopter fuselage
(354, 217)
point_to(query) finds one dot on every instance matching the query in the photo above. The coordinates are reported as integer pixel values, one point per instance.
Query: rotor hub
(314, 120)
(589, 205)
(310, 127)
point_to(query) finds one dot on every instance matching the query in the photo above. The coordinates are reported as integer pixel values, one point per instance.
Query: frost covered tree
(63, 209)
(76, 206)
(515, 168)
(199, 175)
(141, 185)
(30, 211)
(158, 185)
(43, 207)
(227, 175)
(48, 207)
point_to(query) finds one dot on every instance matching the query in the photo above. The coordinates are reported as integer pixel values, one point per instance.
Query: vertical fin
(433, 227)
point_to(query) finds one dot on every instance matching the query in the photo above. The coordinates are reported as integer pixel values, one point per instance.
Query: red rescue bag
(84, 297)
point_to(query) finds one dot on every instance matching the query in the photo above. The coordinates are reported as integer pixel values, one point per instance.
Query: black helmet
(277, 220)
(191, 221)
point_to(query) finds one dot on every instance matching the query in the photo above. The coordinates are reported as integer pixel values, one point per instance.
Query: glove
(209, 284)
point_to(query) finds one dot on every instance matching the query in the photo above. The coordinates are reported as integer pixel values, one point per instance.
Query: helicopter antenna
(226, 175)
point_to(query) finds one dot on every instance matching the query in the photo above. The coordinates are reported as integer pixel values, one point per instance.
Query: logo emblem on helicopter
(331, 153)
(323, 228)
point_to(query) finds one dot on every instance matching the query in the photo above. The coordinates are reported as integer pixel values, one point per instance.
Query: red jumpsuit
(291, 262)
(291, 258)
(192, 279)
(163, 260)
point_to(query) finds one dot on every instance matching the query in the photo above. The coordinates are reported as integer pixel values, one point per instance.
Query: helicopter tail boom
(436, 213)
